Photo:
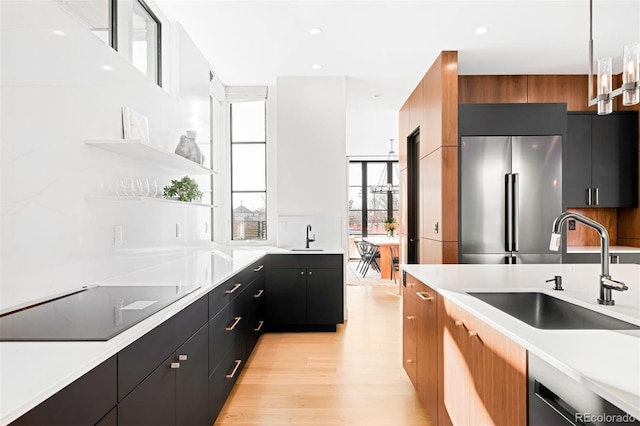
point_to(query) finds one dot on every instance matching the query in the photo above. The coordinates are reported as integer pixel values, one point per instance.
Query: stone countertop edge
(596, 249)
(605, 361)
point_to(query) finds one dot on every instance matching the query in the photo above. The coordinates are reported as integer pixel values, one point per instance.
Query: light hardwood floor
(351, 377)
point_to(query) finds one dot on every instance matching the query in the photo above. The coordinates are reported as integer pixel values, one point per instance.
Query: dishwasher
(555, 399)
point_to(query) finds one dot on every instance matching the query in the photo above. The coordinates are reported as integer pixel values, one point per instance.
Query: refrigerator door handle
(508, 214)
(515, 209)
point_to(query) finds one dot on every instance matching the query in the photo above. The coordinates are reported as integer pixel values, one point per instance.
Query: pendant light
(384, 186)
(630, 89)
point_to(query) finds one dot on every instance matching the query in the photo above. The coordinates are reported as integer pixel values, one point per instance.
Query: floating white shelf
(143, 151)
(145, 200)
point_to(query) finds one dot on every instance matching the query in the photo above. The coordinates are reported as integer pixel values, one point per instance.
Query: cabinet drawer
(220, 385)
(84, 401)
(306, 260)
(141, 357)
(226, 292)
(153, 401)
(225, 334)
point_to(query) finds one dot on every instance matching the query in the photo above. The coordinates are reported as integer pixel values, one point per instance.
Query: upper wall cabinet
(600, 160)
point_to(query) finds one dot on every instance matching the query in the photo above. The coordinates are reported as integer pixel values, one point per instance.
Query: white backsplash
(328, 232)
(56, 93)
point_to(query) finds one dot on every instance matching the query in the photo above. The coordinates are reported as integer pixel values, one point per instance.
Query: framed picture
(135, 125)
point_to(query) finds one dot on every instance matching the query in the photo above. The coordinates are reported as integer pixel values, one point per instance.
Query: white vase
(188, 148)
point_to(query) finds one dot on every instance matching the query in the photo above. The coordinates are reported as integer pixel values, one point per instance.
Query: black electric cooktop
(92, 314)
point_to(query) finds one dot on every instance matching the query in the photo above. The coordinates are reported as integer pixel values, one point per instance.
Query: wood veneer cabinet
(420, 343)
(465, 372)
(483, 374)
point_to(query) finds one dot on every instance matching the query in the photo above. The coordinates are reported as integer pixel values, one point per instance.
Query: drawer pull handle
(459, 323)
(237, 363)
(301, 272)
(421, 295)
(259, 268)
(182, 357)
(310, 273)
(409, 361)
(175, 365)
(235, 287)
(258, 294)
(410, 317)
(260, 324)
(235, 322)
(472, 333)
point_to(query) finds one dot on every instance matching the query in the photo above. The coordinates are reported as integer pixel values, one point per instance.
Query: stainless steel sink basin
(540, 310)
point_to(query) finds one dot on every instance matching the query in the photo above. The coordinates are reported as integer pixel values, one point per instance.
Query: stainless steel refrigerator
(510, 193)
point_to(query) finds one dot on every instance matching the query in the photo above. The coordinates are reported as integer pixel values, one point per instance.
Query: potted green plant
(185, 189)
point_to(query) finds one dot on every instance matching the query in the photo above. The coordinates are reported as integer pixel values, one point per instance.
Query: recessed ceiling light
(481, 30)
(107, 67)
(315, 30)
(316, 66)
(58, 32)
(377, 95)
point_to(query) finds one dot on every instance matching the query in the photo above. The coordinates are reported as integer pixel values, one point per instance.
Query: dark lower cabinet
(152, 402)
(254, 300)
(287, 298)
(111, 419)
(305, 290)
(191, 380)
(221, 382)
(324, 296)
(175, 393)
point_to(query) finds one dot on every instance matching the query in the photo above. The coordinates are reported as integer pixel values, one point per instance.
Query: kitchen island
(606, 362)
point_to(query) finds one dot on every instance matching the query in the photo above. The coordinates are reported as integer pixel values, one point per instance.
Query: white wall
(311, 147)
(369, 131)
(61, 85)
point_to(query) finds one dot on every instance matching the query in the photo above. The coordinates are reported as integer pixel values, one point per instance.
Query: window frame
(366, 194)
(232, 192)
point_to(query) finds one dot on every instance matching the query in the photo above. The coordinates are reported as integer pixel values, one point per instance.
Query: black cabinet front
(600, 160)
(152, 402)
(324, 296)
(191, 380)
(287, 297)
(305, 290)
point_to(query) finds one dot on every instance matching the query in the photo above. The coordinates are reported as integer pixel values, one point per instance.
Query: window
(96, 15)
(145, 41)
(130, 27)
(248, 171)
(368, 209)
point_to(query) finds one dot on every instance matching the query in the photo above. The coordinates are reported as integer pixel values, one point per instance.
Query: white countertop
(607, 362)
(596, 249)
(30, 372)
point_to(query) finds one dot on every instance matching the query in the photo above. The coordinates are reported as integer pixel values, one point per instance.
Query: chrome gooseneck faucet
(309, 240)
(606, 283)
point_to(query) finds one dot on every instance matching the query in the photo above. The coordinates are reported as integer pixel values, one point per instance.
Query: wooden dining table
(385, 243)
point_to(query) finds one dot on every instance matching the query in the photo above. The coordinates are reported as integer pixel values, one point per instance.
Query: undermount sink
(306, 249)
(540, 310)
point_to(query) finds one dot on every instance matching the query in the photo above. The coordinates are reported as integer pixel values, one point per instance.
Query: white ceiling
(385, 47)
